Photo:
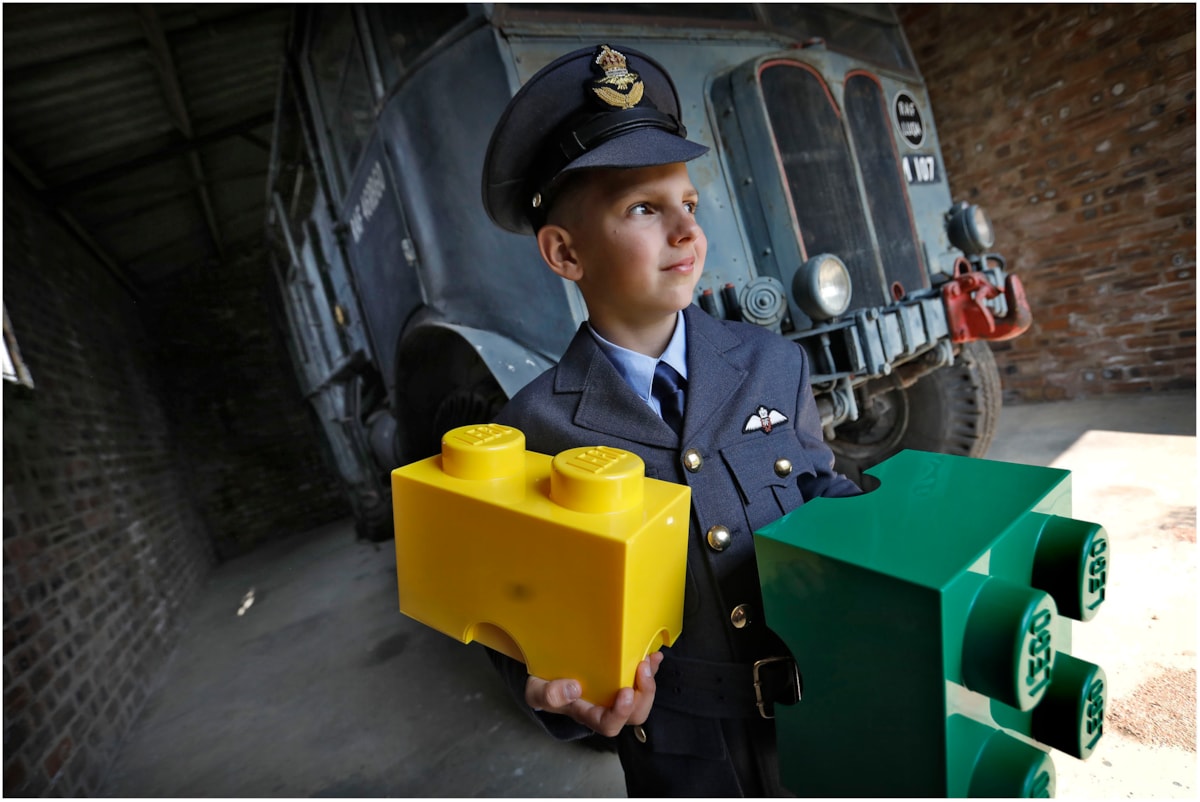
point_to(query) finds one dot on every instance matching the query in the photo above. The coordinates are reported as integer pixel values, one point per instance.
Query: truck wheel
(952, 411)
(372, 514)
(373, 522)
(463, 406)
(474, 404)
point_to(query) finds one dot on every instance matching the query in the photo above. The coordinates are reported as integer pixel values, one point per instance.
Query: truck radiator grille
(818, 159)
(887, 198)
(819, 168)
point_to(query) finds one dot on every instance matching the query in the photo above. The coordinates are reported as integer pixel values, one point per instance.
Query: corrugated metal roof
(147, 127)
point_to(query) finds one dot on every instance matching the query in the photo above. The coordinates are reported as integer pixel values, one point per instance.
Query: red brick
(1123, 329)
(1176, 354)
(1181, 306)
(1152, 341)
(1178, 289)
(1174, 209)
(56, 759)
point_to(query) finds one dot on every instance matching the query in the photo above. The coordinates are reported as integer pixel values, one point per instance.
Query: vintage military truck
(824, 198)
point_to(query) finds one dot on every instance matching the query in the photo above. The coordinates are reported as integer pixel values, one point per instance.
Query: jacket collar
(609, 406)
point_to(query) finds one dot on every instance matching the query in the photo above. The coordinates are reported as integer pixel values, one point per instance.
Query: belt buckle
(758, 695)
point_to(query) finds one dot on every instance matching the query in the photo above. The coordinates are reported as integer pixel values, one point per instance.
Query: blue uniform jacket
(749, 409)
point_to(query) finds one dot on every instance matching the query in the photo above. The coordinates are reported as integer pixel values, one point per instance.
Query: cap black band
(613, 124)
(595, 130)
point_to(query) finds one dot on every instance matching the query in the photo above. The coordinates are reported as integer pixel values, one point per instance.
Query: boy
(589, 157)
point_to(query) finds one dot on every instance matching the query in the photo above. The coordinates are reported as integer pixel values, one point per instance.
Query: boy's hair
(559, 200)
(591, 108)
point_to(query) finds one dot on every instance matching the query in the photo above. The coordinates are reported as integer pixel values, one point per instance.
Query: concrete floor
(298, 677)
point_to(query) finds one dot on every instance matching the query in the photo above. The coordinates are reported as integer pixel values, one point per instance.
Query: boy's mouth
(682, 266)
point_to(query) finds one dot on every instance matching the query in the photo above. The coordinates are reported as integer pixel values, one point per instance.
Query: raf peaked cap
(597, 107)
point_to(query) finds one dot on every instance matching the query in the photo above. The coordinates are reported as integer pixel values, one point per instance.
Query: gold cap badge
(619, 87)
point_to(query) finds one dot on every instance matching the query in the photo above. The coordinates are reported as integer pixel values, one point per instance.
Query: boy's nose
(684, 227)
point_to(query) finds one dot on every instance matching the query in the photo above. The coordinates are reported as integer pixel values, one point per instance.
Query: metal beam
(85, 238)
(156, 265)
(160, 50)
(258, 141)
(146, 202)
(23, 63)
(239, 128)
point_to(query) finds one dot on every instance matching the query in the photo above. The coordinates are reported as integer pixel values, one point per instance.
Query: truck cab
(823, 196)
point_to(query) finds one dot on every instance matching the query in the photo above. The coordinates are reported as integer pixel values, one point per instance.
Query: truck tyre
(463, 406)
(953, 410)
(372, 514)
(374, 522)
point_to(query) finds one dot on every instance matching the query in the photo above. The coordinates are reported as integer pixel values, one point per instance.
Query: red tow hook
(969, 316)
(1019, 317)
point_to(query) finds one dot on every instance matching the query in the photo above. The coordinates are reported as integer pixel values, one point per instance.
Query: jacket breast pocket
(765, 469)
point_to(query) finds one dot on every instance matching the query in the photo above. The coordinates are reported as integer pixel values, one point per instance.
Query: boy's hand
(631, 707)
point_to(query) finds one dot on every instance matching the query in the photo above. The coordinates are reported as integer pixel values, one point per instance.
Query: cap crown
(602, 106)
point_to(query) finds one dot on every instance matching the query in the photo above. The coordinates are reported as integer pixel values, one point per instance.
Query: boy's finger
(560, 693)
(609, 720)
(552, 696)
(632, 705)
(646, 688)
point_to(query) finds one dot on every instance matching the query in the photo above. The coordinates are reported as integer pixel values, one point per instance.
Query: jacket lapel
(712, 379)
(609, 406)
(606, 403)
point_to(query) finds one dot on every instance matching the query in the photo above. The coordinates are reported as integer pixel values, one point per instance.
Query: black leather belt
(727, 690)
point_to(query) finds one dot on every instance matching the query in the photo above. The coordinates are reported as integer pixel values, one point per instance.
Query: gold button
(639, 733)
(719, 538)
(783, 466)
(740, 616)
(692, 460)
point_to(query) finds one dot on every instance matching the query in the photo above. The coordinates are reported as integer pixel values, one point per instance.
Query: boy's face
(637, 250)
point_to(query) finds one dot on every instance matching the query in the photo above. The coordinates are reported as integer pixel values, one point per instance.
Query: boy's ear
(554, 242)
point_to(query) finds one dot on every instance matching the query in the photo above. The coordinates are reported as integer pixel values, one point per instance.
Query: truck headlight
(821, 287)
(969, 228)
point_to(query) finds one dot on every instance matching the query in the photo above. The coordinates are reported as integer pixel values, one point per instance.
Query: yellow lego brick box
(573, 564)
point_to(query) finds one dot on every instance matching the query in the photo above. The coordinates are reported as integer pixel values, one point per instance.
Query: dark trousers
(691, 756)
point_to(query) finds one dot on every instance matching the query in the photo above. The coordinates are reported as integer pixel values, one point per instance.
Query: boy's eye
(647, 208)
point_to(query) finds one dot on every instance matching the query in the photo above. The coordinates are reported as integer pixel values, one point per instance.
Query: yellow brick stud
(598, 480)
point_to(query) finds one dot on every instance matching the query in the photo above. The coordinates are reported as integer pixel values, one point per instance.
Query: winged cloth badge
(764, 420)
(619, 87)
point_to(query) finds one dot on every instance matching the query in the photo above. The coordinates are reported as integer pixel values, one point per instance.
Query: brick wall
(159, 434)
(251, 454)
(101, 552)
(1074, 126)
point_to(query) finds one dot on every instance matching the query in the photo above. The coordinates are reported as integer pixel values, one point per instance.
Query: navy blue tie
(668, 388)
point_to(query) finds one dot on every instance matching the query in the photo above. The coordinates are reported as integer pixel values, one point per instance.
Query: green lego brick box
(931, 620)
